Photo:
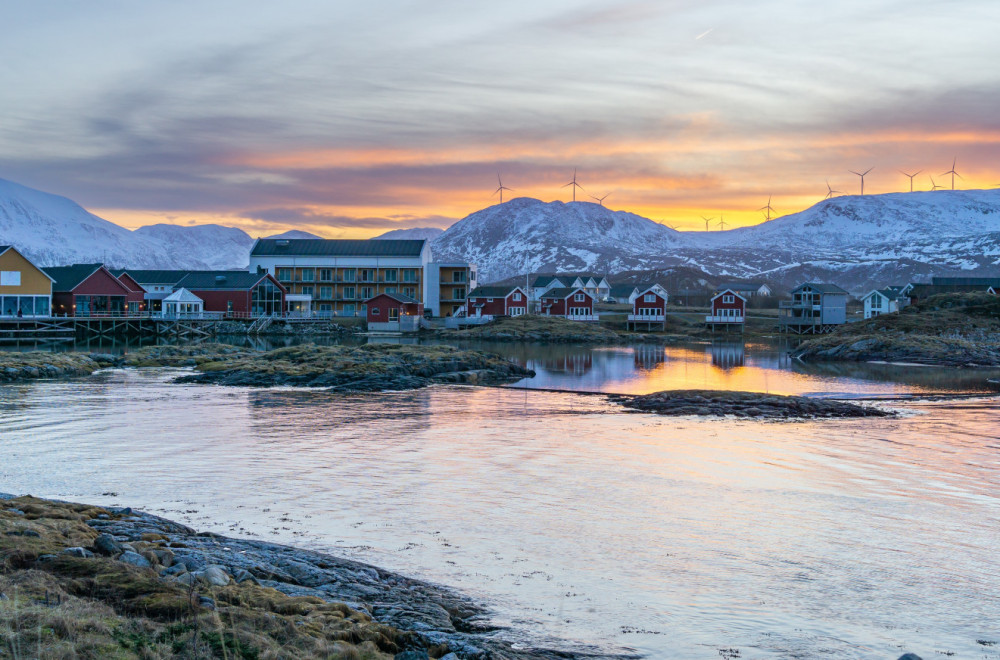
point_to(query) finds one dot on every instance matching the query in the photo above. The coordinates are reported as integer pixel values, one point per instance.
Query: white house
(885, 301)
(623, 293)
(183, 304)
(746, 289)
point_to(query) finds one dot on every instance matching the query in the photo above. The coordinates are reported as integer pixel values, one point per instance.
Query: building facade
(236, 294)
(649, 308)
(393, 312)
(572, 303)
(729, 310)
(884, 301)
(814, 308)
(25, 289)
(87, 290)
(491, 301)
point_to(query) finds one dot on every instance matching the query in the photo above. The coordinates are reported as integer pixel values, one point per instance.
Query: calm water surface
(674, 537)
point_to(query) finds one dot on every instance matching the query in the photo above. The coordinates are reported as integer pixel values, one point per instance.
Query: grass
(57, 606)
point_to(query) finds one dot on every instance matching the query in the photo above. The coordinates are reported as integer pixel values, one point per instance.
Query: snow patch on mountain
(412, 234)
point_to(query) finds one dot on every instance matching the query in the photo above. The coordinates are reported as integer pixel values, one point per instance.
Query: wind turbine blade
(853, 172)
(958, 175)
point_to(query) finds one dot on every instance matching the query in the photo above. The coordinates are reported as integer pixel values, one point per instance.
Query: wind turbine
(934, 185)
(862, 175)
(830, 192)
(767, 208)
(722, 223)
(911, 177)
(574, 184)
(501, 188)
(707, 220)
(600, 200)
(953, 173)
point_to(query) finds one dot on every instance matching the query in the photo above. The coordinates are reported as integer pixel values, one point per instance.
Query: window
(457, 294)
(308, 275)
(307, 290)
(472, 275)
(489, 300)
(579, 297)
(285, 274)
(458, 276)
(326, 275)
(517, 296)
(229, 306)
(728, 299)
(649, 297)
(10, 278)
(367, 275)
(367, 292)
(390, 289)
(348, 292)
(391, 275)
(409, 275)
(349, 275)
(410, 291)
(326, 293)
(374, 311)
(349, 310)
(393, 313)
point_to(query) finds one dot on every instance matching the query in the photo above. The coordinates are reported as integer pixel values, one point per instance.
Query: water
(674, 537)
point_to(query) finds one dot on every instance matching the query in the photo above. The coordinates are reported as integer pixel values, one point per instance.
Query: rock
(214, 575)
(16, 512)
(412, 655)
(164, 556)
(106, 545)
(910, 656)
(176, 569)
(82, 553)
(187, 579)
(242, 575)
(31, 532)
(45, 558)
(450, 656)
(103, 516)
(206, 602)
(134, 558)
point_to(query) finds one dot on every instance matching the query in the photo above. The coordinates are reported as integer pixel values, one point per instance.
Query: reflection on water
(674, 536)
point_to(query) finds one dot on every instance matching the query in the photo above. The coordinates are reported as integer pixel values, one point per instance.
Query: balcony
(582, 317)
(648, 318)
(724, 319)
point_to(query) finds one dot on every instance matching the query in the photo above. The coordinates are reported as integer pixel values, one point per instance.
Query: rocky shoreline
(553, 330)
(751, 405)
(160, 587)
(363, 368)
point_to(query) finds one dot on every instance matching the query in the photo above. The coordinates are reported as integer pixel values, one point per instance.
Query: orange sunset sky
(348, 121)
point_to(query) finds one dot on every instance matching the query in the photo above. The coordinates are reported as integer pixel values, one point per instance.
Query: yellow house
(25, 290)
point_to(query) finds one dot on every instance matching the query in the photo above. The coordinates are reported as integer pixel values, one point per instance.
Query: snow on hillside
(526, 234)
(52, 230)
(413, 234)
(295, 234)
(216, 246)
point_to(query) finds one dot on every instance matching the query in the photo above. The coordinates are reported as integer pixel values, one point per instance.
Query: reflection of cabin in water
(648, 356)
(728, 354)
(574, 363)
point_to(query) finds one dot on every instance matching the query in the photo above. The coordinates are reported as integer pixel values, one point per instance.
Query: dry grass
(54, 605)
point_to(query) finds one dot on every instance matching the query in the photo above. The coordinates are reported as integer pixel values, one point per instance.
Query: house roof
(563, 292)
(312, 247)
(650, 287)
(925, 290)
(740, 286)
(152, 276)
(206, 280)
(492, 291)
(890, 292)
(182, 295)
(622, 290)
(67, 278)
(4, 248)
(732, 291)
(545, 280)
(966, 281)
(398, 297)
(822, 287)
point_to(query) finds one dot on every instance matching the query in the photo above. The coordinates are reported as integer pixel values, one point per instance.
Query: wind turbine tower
(501, 188)
(953, 173)
(722, 222)
(600, 200)
(574, 184)
(911, 176)
(707, 221)
(862, 175)
(767, 209)
(934, 185)
(830, 192)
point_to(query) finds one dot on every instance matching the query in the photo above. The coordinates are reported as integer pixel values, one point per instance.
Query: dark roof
(963, 281)
(67, 278)
(822, 287)
(562, 292)
(312, 247)
(399, 297)
(544, 280)
(739, 286)
(491, 291)
(4, 248)
(891, 292)
(620, 290)
(152, 276)
(206, 280)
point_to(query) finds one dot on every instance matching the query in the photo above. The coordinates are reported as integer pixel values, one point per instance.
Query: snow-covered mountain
(296, 234)
(526, 234)
(52, 230)
(413, 234)
(857, 242)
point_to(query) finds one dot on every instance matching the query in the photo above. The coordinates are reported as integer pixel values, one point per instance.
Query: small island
(754, 405)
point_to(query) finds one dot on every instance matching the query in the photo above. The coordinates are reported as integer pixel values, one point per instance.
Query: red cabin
(728, 310)
(649, 308)
(496, 301)
(394, 312)
(236, 293)
(88, 290)
(135, 300)
(572, 303)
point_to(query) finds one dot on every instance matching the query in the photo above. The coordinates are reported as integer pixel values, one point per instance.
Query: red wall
(216, 301)
(717, 304)
(560, 307)
(384, 303)
(658, 304)
(495, 308)
(101, 283)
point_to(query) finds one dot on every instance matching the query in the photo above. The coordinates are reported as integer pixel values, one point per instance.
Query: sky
(349, 119)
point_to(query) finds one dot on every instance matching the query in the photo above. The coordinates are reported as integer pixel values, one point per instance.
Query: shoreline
(180, 566)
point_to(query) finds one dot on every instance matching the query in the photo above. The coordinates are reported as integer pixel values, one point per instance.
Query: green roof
(219, 280)
(822, 287)
(312, 247)
(491, 291)
(152, 276)
(400, 297)
(562, 292)
(67, 278)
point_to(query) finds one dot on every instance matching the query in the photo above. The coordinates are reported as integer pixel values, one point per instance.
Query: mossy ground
(53, 605)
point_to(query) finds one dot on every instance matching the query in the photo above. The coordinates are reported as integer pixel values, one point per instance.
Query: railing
(798, 304)
(723, 319)
(647, 317)
(582, 317)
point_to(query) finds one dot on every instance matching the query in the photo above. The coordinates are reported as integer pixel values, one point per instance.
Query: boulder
(83, 553)
(214, 575)
(134, 558)
(106, 545)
